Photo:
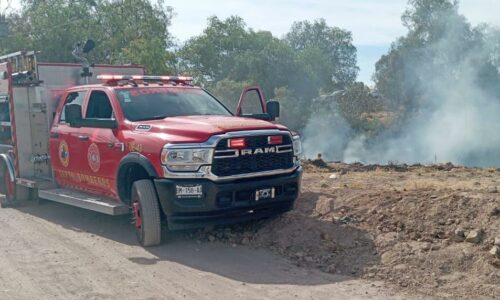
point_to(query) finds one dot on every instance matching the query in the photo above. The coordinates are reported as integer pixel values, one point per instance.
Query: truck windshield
(153, 103)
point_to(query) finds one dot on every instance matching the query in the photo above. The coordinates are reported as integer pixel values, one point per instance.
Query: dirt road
(54, 251)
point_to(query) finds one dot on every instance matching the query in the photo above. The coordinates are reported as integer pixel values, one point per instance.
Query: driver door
(251, 102)
(102, 149)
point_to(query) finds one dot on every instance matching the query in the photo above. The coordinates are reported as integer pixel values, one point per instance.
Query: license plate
(264, 194)
(189, 191)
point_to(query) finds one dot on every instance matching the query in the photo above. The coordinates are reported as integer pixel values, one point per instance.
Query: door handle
(83, 138)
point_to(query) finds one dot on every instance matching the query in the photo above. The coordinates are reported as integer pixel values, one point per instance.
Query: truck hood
(194, 129)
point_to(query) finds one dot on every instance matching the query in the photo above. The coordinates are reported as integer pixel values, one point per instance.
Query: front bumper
(227, 202)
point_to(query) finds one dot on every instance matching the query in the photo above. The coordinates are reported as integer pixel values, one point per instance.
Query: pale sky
(374, 23)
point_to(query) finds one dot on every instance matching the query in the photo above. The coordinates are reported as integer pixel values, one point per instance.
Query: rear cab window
(77, 98)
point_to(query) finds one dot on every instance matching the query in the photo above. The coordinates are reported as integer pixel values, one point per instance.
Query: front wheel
(146, 213)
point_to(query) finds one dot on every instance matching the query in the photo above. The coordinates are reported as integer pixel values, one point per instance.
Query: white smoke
(459, 123)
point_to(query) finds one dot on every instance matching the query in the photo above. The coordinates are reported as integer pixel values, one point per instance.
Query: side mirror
(73, 114)
(273, 109)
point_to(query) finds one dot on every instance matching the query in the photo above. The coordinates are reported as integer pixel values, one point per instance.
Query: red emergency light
(275, 140)
(239, 143)
(109, 78)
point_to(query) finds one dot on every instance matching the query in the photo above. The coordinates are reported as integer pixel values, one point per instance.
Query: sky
(373, 23)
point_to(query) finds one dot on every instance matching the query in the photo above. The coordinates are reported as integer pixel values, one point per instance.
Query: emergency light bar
(114, 78)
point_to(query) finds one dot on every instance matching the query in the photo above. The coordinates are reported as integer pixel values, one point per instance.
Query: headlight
(297, 145)
(186, 160)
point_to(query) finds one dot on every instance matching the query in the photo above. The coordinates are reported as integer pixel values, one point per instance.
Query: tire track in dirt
(54, 251)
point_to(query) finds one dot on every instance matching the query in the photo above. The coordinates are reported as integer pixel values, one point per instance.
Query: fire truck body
(153, 146)
(28, 103)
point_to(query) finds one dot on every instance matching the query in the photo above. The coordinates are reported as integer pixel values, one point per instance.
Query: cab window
(72, 98)
(251, 103)
(99, 106)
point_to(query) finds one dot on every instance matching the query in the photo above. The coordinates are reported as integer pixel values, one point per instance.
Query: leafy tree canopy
(125, 31)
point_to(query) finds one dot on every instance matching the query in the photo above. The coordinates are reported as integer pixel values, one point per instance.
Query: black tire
(8, 189)
(147, 219)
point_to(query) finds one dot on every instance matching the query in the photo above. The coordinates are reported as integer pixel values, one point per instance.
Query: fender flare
(143, 161)
(136, 159)
(9, 165)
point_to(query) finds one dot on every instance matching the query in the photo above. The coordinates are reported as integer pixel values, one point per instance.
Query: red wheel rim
(9, 185)
(136, 208)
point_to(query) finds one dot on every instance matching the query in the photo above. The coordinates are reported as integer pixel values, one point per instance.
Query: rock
(495, 251)
(299, 254)
(333, 176)
(211, 238)
(474, 236)
(245, 241)
(459, 235)
(493, 190)
(324, 205)
(426, 247)
(401, 267)
(497, 241)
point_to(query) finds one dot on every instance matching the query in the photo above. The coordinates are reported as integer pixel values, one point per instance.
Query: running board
(84, 200)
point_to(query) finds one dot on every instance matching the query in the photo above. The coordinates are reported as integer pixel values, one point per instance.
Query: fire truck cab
(117, 142)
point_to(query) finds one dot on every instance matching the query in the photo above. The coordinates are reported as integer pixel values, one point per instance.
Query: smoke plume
(458, 118)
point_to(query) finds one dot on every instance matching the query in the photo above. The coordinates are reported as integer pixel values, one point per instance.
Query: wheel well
(128, 174)
(3, 166)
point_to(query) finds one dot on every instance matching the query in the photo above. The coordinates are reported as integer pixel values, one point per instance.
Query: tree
(327, 50)
(125, 31)
(441, 46)
(229, 91)
(211, 56)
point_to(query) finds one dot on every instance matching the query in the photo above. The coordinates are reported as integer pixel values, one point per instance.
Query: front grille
(228, 162)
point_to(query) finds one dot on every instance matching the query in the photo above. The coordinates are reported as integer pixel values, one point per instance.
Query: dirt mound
(426, 229)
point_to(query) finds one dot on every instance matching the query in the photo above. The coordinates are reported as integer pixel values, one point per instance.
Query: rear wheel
(13, 193)
(146, 213)
(9, 189)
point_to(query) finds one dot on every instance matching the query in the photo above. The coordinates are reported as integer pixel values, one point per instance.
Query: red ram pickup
(154, 146)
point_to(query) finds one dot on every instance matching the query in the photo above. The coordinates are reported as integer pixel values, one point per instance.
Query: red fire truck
(112, 140)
